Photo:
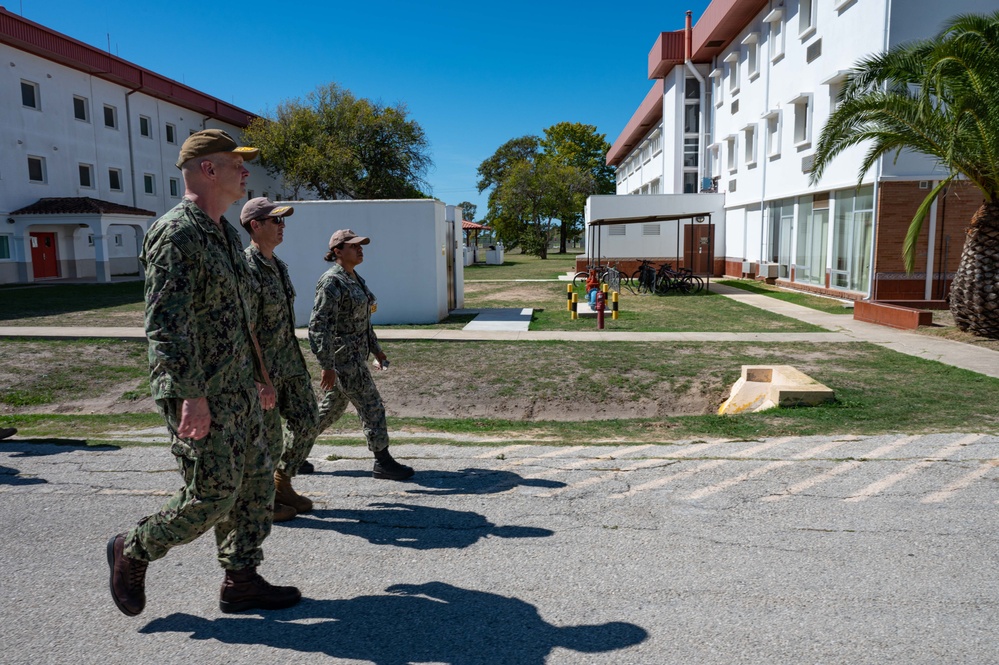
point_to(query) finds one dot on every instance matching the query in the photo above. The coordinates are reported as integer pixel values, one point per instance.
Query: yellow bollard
(614, 305)
(572, 307)
(568, 297)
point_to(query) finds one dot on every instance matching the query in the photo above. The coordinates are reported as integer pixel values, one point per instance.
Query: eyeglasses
(275, 220)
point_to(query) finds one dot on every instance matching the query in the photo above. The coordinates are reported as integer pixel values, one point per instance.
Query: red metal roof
(57, 47)
(649, 113)
(80, 205)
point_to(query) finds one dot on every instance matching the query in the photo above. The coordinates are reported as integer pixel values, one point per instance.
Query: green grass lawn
(828, 305)
(523, 266)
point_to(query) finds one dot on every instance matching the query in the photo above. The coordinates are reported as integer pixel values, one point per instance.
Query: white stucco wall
(404, 265)
(634, 244)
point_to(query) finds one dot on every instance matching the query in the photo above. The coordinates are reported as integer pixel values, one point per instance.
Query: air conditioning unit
(748, 267)
(769, 270)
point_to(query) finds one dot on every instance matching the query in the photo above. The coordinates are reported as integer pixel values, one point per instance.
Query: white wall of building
(404, 265)
(634, 239)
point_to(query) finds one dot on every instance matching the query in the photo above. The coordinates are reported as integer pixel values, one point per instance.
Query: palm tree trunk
(974, 294)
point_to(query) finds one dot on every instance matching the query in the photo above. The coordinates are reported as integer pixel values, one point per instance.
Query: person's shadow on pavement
(417, 527)
(433, 622)
(465, 481)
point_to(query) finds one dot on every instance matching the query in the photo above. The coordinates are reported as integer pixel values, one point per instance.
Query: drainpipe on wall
(687, 53)
(131, 154)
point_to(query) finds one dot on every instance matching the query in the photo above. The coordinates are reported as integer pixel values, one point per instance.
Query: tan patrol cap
(211, 141)
(346, 236)
(261, 208)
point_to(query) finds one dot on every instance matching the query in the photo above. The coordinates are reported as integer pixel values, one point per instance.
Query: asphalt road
(804, 550)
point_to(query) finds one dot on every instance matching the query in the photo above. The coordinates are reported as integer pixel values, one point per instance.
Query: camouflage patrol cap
(346, 236)
(211, 141)
(261, 208)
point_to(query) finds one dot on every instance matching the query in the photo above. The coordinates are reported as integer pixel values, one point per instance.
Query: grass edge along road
(878, 391)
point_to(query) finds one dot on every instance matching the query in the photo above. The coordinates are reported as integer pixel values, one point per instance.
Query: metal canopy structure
(695, 218)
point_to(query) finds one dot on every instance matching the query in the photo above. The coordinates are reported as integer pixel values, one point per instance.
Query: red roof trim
(650, 112)
(80, 205)
(46, 43)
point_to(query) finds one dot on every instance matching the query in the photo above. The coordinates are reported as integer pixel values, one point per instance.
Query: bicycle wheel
(697, 283)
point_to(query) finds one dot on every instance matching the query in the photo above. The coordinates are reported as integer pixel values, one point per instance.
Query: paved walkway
(511, 325)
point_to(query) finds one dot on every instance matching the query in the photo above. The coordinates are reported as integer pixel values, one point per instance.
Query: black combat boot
(128, 578)
(246, 590)
(387, 468)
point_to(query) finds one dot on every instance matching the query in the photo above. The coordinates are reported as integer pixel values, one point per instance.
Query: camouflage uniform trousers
(228, 485)
(355, 385)
(296, 404)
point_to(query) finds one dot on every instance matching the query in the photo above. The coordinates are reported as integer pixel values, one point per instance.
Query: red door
(44, 261)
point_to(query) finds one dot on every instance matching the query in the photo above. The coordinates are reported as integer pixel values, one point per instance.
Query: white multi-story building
(737, 105)
(89, 145)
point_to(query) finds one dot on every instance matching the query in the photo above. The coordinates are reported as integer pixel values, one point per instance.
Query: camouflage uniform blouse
(274, 304)
(340, 330)
(197, 306)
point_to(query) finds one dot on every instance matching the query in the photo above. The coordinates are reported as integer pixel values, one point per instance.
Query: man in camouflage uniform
(274, 301)
(210, 384)
(341, 336)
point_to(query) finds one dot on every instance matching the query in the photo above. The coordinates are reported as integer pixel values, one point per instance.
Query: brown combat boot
(283, 493)
(128, 578)
(387, 468)
(246, 590)
(283, 513)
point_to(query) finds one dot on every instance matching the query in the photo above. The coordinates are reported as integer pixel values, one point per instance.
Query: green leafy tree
(468, 210)
(579, 145)
(938, 97)
(343, 147)
(530, 198)
(540, 185)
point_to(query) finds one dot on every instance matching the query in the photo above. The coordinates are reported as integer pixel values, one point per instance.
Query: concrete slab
(504, 320)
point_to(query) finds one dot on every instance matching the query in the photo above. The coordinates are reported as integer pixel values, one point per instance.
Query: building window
(751, 42)
(30, 95)
(110, 116)
(174, 187)
(81, 108)
(812, 240)
(617, 230)
(149, 183)
(775, 39)
(114, 179)
(145, 127)
(731, 154)
(171, 133)
(655, 186)
(773, 133)
(852, 237)
(36, 169)
(732, 63)
(4, 247)
(750, 145)
(86, 176)
(716, 85)
(779, 248)
(802, 119)
(806, 18)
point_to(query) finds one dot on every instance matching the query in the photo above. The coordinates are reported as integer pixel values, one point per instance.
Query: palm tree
(939, 97)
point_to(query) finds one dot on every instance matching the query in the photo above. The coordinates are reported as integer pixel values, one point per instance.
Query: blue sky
(473, 75)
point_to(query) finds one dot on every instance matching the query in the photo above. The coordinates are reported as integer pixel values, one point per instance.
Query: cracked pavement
(806, 549)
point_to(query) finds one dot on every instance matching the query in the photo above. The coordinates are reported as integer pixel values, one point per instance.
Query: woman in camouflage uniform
(341, 336)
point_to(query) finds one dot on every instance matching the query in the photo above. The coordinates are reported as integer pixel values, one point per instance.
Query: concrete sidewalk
(510, 325)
